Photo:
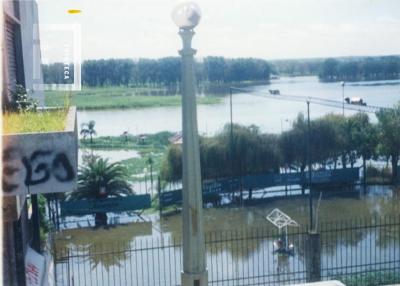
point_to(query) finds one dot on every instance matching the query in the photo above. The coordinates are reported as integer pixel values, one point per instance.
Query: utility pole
(343, 84)
(231, 142)
(159, 196)
(309, 164)
(231, 111)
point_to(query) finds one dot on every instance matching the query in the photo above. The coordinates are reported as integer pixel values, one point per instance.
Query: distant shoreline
(118, 98)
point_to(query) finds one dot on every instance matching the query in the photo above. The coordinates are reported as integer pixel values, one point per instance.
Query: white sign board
(280, 219)
(34, 268)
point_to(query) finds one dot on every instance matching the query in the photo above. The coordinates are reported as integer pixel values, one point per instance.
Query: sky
(268, 29)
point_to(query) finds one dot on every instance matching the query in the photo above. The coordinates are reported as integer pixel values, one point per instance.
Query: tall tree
(389, 130)
(364, 136)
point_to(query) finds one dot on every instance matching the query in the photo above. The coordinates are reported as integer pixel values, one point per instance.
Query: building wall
(16, 231)
(12, 64)
(21, 49)
(31, 50)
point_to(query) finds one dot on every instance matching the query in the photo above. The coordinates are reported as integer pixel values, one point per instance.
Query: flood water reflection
(239, 243)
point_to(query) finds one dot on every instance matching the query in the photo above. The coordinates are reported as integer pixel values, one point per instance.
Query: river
(270, 115)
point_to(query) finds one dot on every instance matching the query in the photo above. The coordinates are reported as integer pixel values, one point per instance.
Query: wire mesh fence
(357, 252)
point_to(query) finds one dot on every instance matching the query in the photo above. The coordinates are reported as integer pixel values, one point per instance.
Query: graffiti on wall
(41, 166)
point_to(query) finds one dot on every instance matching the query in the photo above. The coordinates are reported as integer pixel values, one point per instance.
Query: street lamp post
(231, 141)
(231, 111)
(343, 84)
(186, 16)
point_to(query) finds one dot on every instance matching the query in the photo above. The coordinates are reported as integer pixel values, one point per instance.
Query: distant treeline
(341, 69)
(220, 70)
(377, 68)
(159, 72)
(296, 67)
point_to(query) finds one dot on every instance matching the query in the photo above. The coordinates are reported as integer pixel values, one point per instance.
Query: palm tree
(87, 129)
(99, 179)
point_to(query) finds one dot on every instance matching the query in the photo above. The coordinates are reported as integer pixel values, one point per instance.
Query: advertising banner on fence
(171, 198)
(34, 268)
(120, 204)
(349, 175)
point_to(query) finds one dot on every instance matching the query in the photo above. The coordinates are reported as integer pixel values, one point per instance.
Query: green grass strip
(34, 121)
(118, 98)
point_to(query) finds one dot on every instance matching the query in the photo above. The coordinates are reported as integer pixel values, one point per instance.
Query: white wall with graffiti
(41, 162)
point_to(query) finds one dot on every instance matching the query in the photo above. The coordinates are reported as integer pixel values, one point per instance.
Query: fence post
(53, 247)
(36, 223)
(57, 213)
(313, 257)
(19, 251)
(365, 176)
(68, 267)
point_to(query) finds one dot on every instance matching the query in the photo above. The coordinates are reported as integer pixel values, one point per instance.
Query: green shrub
(20, 101)
(44, 223)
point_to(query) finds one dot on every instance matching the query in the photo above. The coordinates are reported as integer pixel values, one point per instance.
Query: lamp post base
(194, 279)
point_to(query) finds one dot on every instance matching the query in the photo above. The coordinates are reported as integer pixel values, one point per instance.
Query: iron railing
(357, 251)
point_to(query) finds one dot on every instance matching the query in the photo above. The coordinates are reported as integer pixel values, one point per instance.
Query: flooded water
(271, 115)
(240, 243)
(111, 155)
(378, 201)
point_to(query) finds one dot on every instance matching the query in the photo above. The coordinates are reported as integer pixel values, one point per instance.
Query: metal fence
(358, 252)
